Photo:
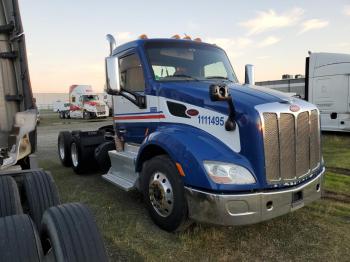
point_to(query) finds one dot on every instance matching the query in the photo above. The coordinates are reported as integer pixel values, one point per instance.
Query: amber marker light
(143, 36)
(179, 168)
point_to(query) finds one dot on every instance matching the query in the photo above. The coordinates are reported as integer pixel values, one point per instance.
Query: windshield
(90, 98)
(188, 61)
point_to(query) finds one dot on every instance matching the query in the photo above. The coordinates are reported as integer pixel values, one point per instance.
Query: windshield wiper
(219, 77)
(185, 76)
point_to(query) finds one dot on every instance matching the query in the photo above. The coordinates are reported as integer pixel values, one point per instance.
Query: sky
(66, 39)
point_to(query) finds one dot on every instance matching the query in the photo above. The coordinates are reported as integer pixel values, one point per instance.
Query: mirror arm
(230, 124)
(139, 100)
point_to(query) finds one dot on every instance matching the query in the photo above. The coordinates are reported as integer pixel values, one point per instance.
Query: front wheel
(86, 115)
(164, 193)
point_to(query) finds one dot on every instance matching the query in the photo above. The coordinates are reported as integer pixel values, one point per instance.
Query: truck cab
(84, 103)
(201, 146)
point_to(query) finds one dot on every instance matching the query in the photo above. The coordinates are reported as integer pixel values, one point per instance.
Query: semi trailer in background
(198, 145)
(34, 225)
(326, 84)
(84, 103)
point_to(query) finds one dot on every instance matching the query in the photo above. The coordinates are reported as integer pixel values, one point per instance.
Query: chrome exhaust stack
(112, 43)
(249, 75)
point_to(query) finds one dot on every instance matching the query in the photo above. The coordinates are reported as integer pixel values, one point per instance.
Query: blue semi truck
(197, 144)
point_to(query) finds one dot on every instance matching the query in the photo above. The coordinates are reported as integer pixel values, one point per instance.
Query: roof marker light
(176, 37)
(197, 39)
(187, 37)
(143, 36)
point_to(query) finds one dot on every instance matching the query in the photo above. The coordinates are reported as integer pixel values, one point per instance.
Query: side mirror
(249, 75)
(112, 75)
(220, 92)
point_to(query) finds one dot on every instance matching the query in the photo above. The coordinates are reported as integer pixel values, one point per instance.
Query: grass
(336, 150)
(317, 232)
(337, 183)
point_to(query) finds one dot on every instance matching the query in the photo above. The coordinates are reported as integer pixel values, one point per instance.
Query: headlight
(225, 173)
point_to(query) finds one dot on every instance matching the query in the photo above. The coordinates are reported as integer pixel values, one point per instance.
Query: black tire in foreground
(41, 193)
(102, 157)
(63, 146)
(10, 201)
(71, 234)
(19, 240)
(164, 193)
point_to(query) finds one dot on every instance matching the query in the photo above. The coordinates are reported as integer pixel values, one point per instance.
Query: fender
(190, 146)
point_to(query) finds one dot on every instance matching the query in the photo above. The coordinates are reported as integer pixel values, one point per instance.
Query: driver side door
(132, 122)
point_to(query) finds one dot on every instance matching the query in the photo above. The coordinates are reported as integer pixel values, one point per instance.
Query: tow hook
(219, 92)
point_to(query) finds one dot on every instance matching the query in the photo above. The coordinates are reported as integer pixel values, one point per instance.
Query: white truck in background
(84, 103)
(59, 105)
(326, 84)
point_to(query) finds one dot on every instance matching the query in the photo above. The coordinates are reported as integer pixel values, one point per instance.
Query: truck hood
(196, 93)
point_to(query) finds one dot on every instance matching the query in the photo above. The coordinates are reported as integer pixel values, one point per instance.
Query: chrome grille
(291, 145)
(100, 108)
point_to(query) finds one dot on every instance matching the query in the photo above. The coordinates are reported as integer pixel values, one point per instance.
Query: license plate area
(297, 200)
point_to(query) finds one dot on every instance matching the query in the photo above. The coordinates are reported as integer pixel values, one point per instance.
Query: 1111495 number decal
(211, 120)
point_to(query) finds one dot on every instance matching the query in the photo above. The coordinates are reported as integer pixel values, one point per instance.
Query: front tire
(86, 115)
(164, 193)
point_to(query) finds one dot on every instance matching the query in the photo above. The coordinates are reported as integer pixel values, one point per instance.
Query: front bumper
(250, 208)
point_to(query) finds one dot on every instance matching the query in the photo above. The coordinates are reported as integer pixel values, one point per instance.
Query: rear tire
(19, 239)
(41, 193)
(78, 156)
(10, 201)
(102, 157)
(67, 114)
(164, 193)
(72, 234)
(63, 145)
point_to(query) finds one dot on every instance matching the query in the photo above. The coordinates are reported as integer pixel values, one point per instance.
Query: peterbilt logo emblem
(294, 108)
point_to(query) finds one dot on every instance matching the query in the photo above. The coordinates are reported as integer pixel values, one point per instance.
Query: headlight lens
(225, 173)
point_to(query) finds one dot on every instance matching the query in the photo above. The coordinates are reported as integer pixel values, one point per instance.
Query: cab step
(122, 172)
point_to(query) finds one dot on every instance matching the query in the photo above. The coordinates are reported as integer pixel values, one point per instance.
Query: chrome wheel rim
(61, 149)
(161, 194)
(74, 154)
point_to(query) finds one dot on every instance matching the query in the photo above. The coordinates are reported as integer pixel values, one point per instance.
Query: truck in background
(197, 144)
(85, 103)
(326, 84)
(34, 225)
(59, 105)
